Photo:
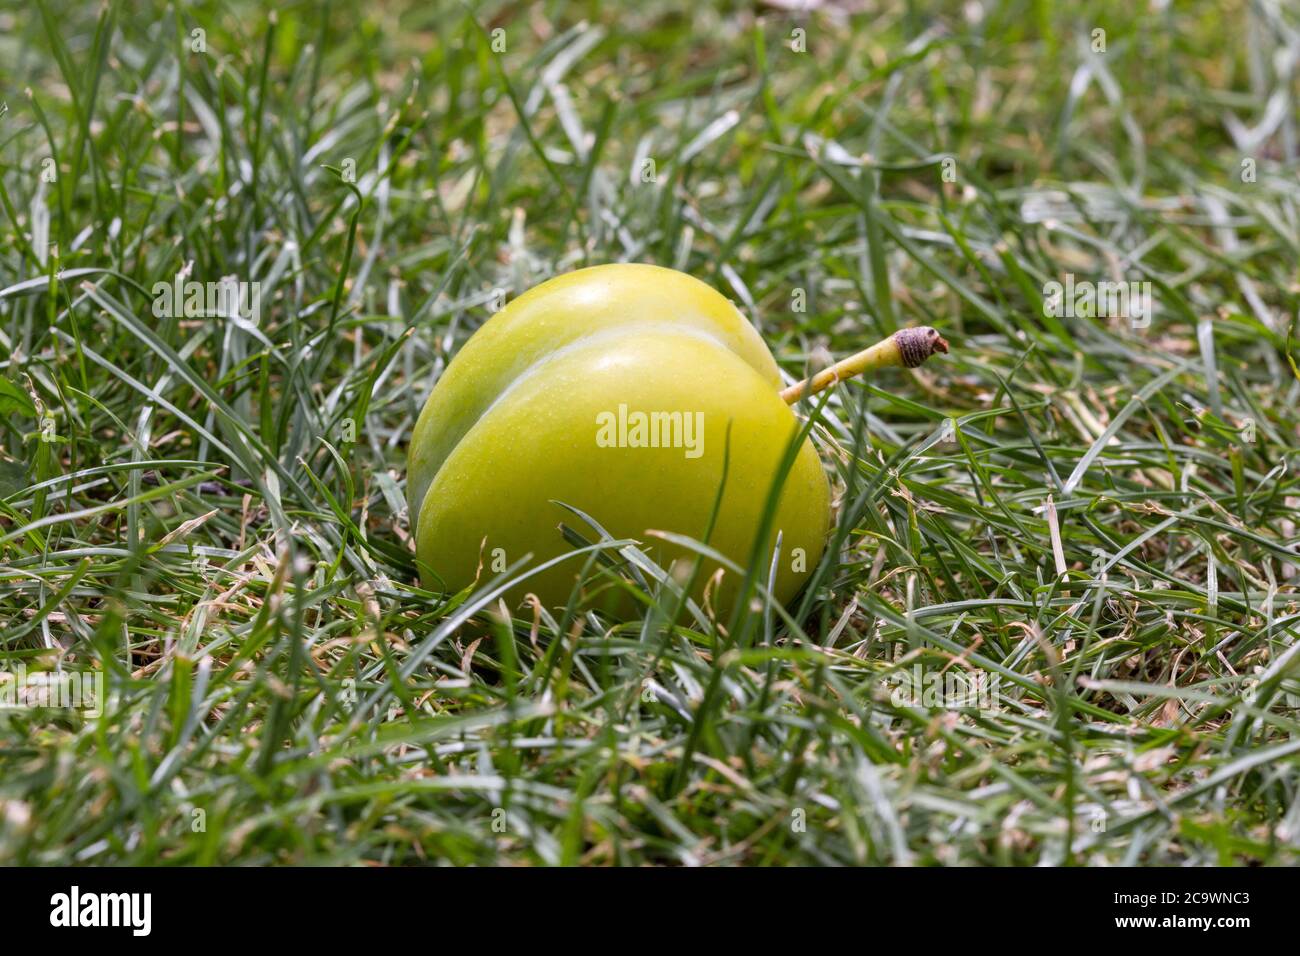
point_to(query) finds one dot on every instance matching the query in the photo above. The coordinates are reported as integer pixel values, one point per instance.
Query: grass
(210, 513)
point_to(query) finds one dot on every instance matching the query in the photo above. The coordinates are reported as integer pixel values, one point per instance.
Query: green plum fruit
(626, 392)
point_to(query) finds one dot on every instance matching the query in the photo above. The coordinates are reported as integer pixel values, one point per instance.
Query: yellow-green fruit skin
(527, 414)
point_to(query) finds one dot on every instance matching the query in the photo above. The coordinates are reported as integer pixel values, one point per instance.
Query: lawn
(1057, 618)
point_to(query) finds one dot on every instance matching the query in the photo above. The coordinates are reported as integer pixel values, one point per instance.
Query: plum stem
(907, 348)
